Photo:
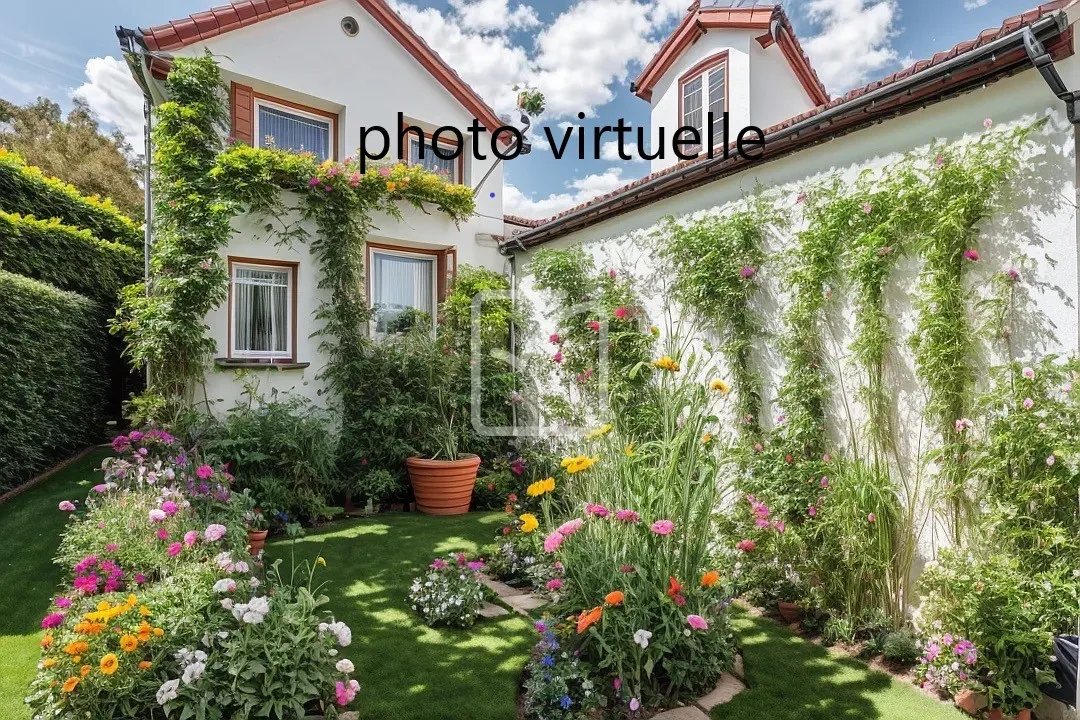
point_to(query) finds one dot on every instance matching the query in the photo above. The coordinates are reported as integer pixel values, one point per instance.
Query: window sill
(242, 364)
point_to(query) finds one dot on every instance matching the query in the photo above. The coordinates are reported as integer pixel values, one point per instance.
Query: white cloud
(665, 10)
(27, 89)
(610, 151)
(855, 42)
(581, 190)
(975, 4)
(493, 15)
(114, 97)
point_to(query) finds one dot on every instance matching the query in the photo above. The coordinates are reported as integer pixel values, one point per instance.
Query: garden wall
(1035, 233)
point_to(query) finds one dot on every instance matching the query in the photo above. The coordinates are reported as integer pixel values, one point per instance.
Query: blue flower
(547, 661)
(565, 702)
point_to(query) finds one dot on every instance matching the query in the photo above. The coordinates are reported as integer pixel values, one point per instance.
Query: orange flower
(129, 643)
(47, 641)
(158, 632)
(145, 611)
(70, 684)
(675, 587)
(86, 627)
(145, 665)
(710, 578)
(85, 670)
(48, 663)
(76, 648)
(588, 617)
(109, 664)
(615, 597)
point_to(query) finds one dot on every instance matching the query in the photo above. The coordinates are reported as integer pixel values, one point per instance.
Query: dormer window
(703, 90)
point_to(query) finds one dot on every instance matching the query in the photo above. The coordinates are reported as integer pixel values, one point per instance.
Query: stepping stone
(684, 713)
(738, 670)
(728, 687)
(501, 589)
(490, 610)
(524, 603)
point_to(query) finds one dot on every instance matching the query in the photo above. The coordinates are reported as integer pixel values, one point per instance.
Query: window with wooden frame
(262, 310)
(703, 90)
(404, 282)
(448, 165)
(265, 121)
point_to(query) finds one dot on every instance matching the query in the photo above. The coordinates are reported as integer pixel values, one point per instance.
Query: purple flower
(475, 565)
(972, 254)
(748, 271)
(1013, 274)
(191, 537)
(52, 620)
(120, 443)
(438, 564)
(214, 532)
(111, 547)
(63, 602)
(518, 466)
(169, 507)
(313, 182)
(1028, 403)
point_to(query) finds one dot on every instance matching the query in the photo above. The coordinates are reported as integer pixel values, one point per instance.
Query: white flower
(641, 637)
(241, 567)
(192, 672)
(1028, 373)
(227, 603)
(224, 585)
(255, 583)
(167, 691)
(344, 665)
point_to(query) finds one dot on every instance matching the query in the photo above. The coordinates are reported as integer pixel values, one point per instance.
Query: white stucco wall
(775, 92)
(305, 57)
(1040, 223)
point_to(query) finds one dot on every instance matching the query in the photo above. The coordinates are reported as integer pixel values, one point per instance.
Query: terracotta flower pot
(443, 487)
(790, 611)
(256, 540)
(970, 701)
(997, 714)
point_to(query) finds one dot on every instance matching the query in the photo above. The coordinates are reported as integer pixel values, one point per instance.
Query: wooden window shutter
(242, 111)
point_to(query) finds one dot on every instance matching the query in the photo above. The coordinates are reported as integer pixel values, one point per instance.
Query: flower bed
(165, 613)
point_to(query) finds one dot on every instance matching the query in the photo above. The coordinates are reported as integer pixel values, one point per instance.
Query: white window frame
(331, 122)
(705, 76)
(430, 257)
(290, 315)
(429, 144)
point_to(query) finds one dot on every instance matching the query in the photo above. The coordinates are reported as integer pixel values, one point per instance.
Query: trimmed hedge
(69, 258)
(52, 378)
(26, 190)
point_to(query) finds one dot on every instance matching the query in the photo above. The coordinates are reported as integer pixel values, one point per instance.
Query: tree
(74, 150)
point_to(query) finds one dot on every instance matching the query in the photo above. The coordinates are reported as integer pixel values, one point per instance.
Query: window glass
(717, 83)
(293, 132)
(261, 311)
(400, 284)
(432, 161)
(692, 104)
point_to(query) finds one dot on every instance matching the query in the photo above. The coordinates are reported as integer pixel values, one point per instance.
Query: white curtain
(261, 311)
(296, 133)
(400, 282)
(432, 161)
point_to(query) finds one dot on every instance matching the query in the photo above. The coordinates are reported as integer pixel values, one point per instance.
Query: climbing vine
(715, 262)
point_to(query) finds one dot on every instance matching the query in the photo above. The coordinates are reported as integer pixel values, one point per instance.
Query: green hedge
(26, 190)
(69, 258)
(52, 382)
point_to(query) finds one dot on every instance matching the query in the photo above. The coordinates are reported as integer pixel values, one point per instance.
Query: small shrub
(559, 685)
(450, 593)
(838, 630)
(379, 486)
(901, 646)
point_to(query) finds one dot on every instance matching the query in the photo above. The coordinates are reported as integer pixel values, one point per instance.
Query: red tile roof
(220, 20)
(1061, 49)
(699, 20)
(523, 221)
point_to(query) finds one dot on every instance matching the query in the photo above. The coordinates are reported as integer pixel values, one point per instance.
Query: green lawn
(789, 678)
(30, 526)
(407, 669)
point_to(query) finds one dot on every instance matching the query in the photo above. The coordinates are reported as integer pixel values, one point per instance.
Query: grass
(789, 678)
(407, 669)
(31, 526)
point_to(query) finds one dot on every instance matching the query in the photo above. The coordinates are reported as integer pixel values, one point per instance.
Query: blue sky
(581, 53)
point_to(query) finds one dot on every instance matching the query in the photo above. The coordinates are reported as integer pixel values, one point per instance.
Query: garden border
(42, 477)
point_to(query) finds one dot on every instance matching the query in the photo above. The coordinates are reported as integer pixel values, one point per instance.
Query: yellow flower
(48, 662)
(391, 186)
(540, 487)
(158, 632)
(109, 664)
(630, 450)
(706, 438)
(579, 463)
(145, 611)
(720, 386)
(528, 522)
(70, 684)
(666, 363)
(129, 643)
(598, 432)
(320, 561)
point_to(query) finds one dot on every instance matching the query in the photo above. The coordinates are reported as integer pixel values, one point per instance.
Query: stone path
(520, 599)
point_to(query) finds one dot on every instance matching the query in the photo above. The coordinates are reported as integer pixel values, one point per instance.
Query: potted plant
(256, 522)
(442, 477)
(788, 595)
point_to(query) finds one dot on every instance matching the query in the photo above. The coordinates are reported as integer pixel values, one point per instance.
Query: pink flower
(52, 620)
(169, 507)
(1028, 373)
(205, 472)
(554, 338)
(611, 273)
(871, 518)
(662, 527)
(617, 683)
(63, 602)
(175, 549)
(800, 198)
(620, 313)
(313, 182)
(1013, 274)
(824, 481)
(140, 578)
(780, 526)
(1028, 403)
(214, 532)
(972, 254)
(384, 172)
(987, 123)
(598, 510)
(825, 458)
(518, 466)
(346, 692)
(66, 505)
(111, 547)
(746, 545)
(554, 584)
(593, 325)
(438, 564)
(867, 208)
(1050, 460)
(627, 569)
(748, 271)
(963, 424)
(570, 527)
(758, 447)
(627, 516)
(162, 534)
(191, 537)
(553, 541)
(157, 515)
(697, 622)
(354, 179)
(939, 161)
(557, 358)
(634, 704)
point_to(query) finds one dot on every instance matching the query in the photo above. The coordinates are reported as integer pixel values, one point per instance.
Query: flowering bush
(947, 663)
(450, 593)
(559, 685)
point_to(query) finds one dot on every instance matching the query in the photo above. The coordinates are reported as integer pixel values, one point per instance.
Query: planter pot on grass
(443, 487)
(256, 540)
(790, 612)
(970, 701)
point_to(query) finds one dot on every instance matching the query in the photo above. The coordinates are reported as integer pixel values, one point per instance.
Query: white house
(312, 75)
